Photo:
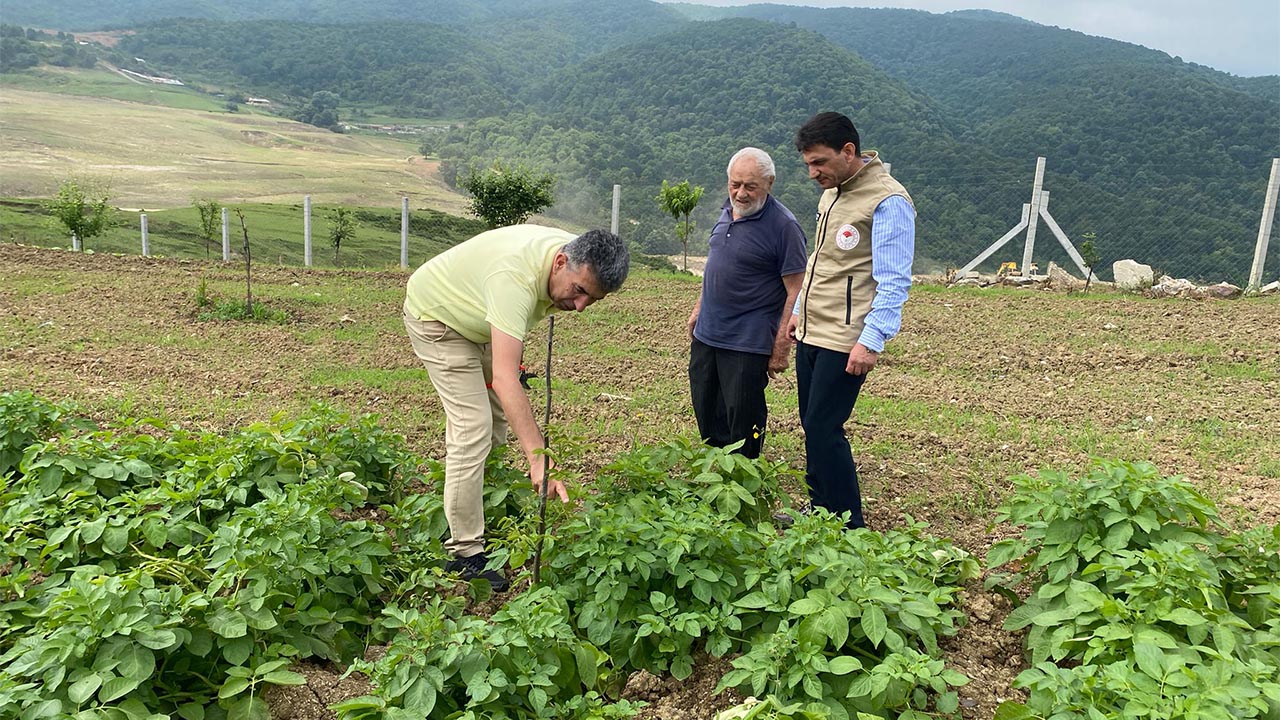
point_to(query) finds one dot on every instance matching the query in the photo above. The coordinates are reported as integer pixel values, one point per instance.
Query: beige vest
(838, 288)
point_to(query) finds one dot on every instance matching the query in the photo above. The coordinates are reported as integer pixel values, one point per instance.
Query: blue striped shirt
(893, 245)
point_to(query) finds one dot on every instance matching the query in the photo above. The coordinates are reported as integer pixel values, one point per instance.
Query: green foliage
(1089, 253)
(508, 195)
(25, 48)
(1137, 604)
(321, 110)
(237, 310)
(81, 209)
(209, 212)
(679, 201)
(155, 570)
(342, 227)
(26, 419)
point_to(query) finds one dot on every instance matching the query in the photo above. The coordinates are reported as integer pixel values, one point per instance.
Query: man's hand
(861, 360)
(792, 322)
(780, 360)
(693, 320)
(536, 470)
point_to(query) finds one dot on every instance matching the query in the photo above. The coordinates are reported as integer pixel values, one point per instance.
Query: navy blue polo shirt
(742, 290)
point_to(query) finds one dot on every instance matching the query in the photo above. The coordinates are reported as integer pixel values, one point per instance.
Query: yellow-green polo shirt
(496, 278)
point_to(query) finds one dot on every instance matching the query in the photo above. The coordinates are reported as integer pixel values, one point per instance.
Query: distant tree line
(22, 48)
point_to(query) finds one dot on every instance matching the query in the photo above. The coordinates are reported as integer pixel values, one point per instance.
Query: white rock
(1270, 288)
(1132, 275)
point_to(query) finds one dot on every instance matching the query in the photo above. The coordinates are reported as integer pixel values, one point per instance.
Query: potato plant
(1141, 604)
(154, 572)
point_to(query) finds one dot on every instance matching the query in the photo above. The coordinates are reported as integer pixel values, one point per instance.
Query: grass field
(159, 146)
(276, 233)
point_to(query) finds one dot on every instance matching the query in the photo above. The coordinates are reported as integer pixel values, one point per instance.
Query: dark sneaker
(473, 567)
(787, 518)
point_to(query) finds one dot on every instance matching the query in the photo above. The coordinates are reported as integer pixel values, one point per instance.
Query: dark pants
(728, 396)
(827, 395)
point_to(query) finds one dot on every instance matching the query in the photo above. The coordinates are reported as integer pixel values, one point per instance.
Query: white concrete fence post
(404, 232)
(1036, 203)
(1264, 228)
(226, 237)
(306, 231)
(75, 242)
(146, 242)
(617, 203)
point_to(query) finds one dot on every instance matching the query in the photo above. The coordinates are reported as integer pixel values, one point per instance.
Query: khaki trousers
(461, 371)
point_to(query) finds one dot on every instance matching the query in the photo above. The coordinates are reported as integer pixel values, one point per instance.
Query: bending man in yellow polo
(467, 312)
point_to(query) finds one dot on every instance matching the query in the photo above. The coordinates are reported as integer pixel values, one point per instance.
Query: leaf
(232, 687)
(805, 606)
(1063, 531)
(136, 663)
(284, 677)
(248, 707)
(1150, 659)
(103, 470)
(84, 688)
(137, 468)
(833, 623)
(682, 667)
(237, 651)
(1184, 616)
(1004, 551)
(753, 601)
(115, 539)
(191, 711)
(420, 697)
(843, 665)
(1118, 537)
(90, 532)
(116, 688)
(228, 623)
(155, 532)
(585, 658)
(874, 624)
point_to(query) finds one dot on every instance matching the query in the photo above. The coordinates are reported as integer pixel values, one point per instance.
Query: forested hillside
(1161, 159)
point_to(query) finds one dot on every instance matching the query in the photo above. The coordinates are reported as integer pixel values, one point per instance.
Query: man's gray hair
(605, 253)
(761, 157)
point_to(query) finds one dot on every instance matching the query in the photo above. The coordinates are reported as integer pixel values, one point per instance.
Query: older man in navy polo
(737, 328)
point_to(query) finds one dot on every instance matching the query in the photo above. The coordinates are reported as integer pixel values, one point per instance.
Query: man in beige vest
(467, 311)
(850, 301)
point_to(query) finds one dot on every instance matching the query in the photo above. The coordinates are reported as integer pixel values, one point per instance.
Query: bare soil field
(980, 385)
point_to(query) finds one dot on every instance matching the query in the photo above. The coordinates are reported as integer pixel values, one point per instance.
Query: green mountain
(1163, 160)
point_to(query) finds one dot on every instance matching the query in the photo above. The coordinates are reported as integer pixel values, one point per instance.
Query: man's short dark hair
(605, 253)
(828, 128)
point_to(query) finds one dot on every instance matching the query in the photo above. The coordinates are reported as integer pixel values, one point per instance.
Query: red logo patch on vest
(847, 237)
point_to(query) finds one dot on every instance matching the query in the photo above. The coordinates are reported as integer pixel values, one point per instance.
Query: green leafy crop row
(675, 557)
(1141, 606)
(152, 572)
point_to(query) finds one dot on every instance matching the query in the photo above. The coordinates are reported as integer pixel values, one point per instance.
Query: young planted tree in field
(503, 196)
(76, 210)
(1089, 254)
(208, 210)
(679, 201)
(248, 283)
(342, 227)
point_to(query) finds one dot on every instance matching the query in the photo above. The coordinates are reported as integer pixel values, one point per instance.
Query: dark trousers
(728, 396)
(827, 395)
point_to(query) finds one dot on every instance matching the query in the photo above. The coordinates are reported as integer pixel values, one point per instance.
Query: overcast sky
(1238, 36)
